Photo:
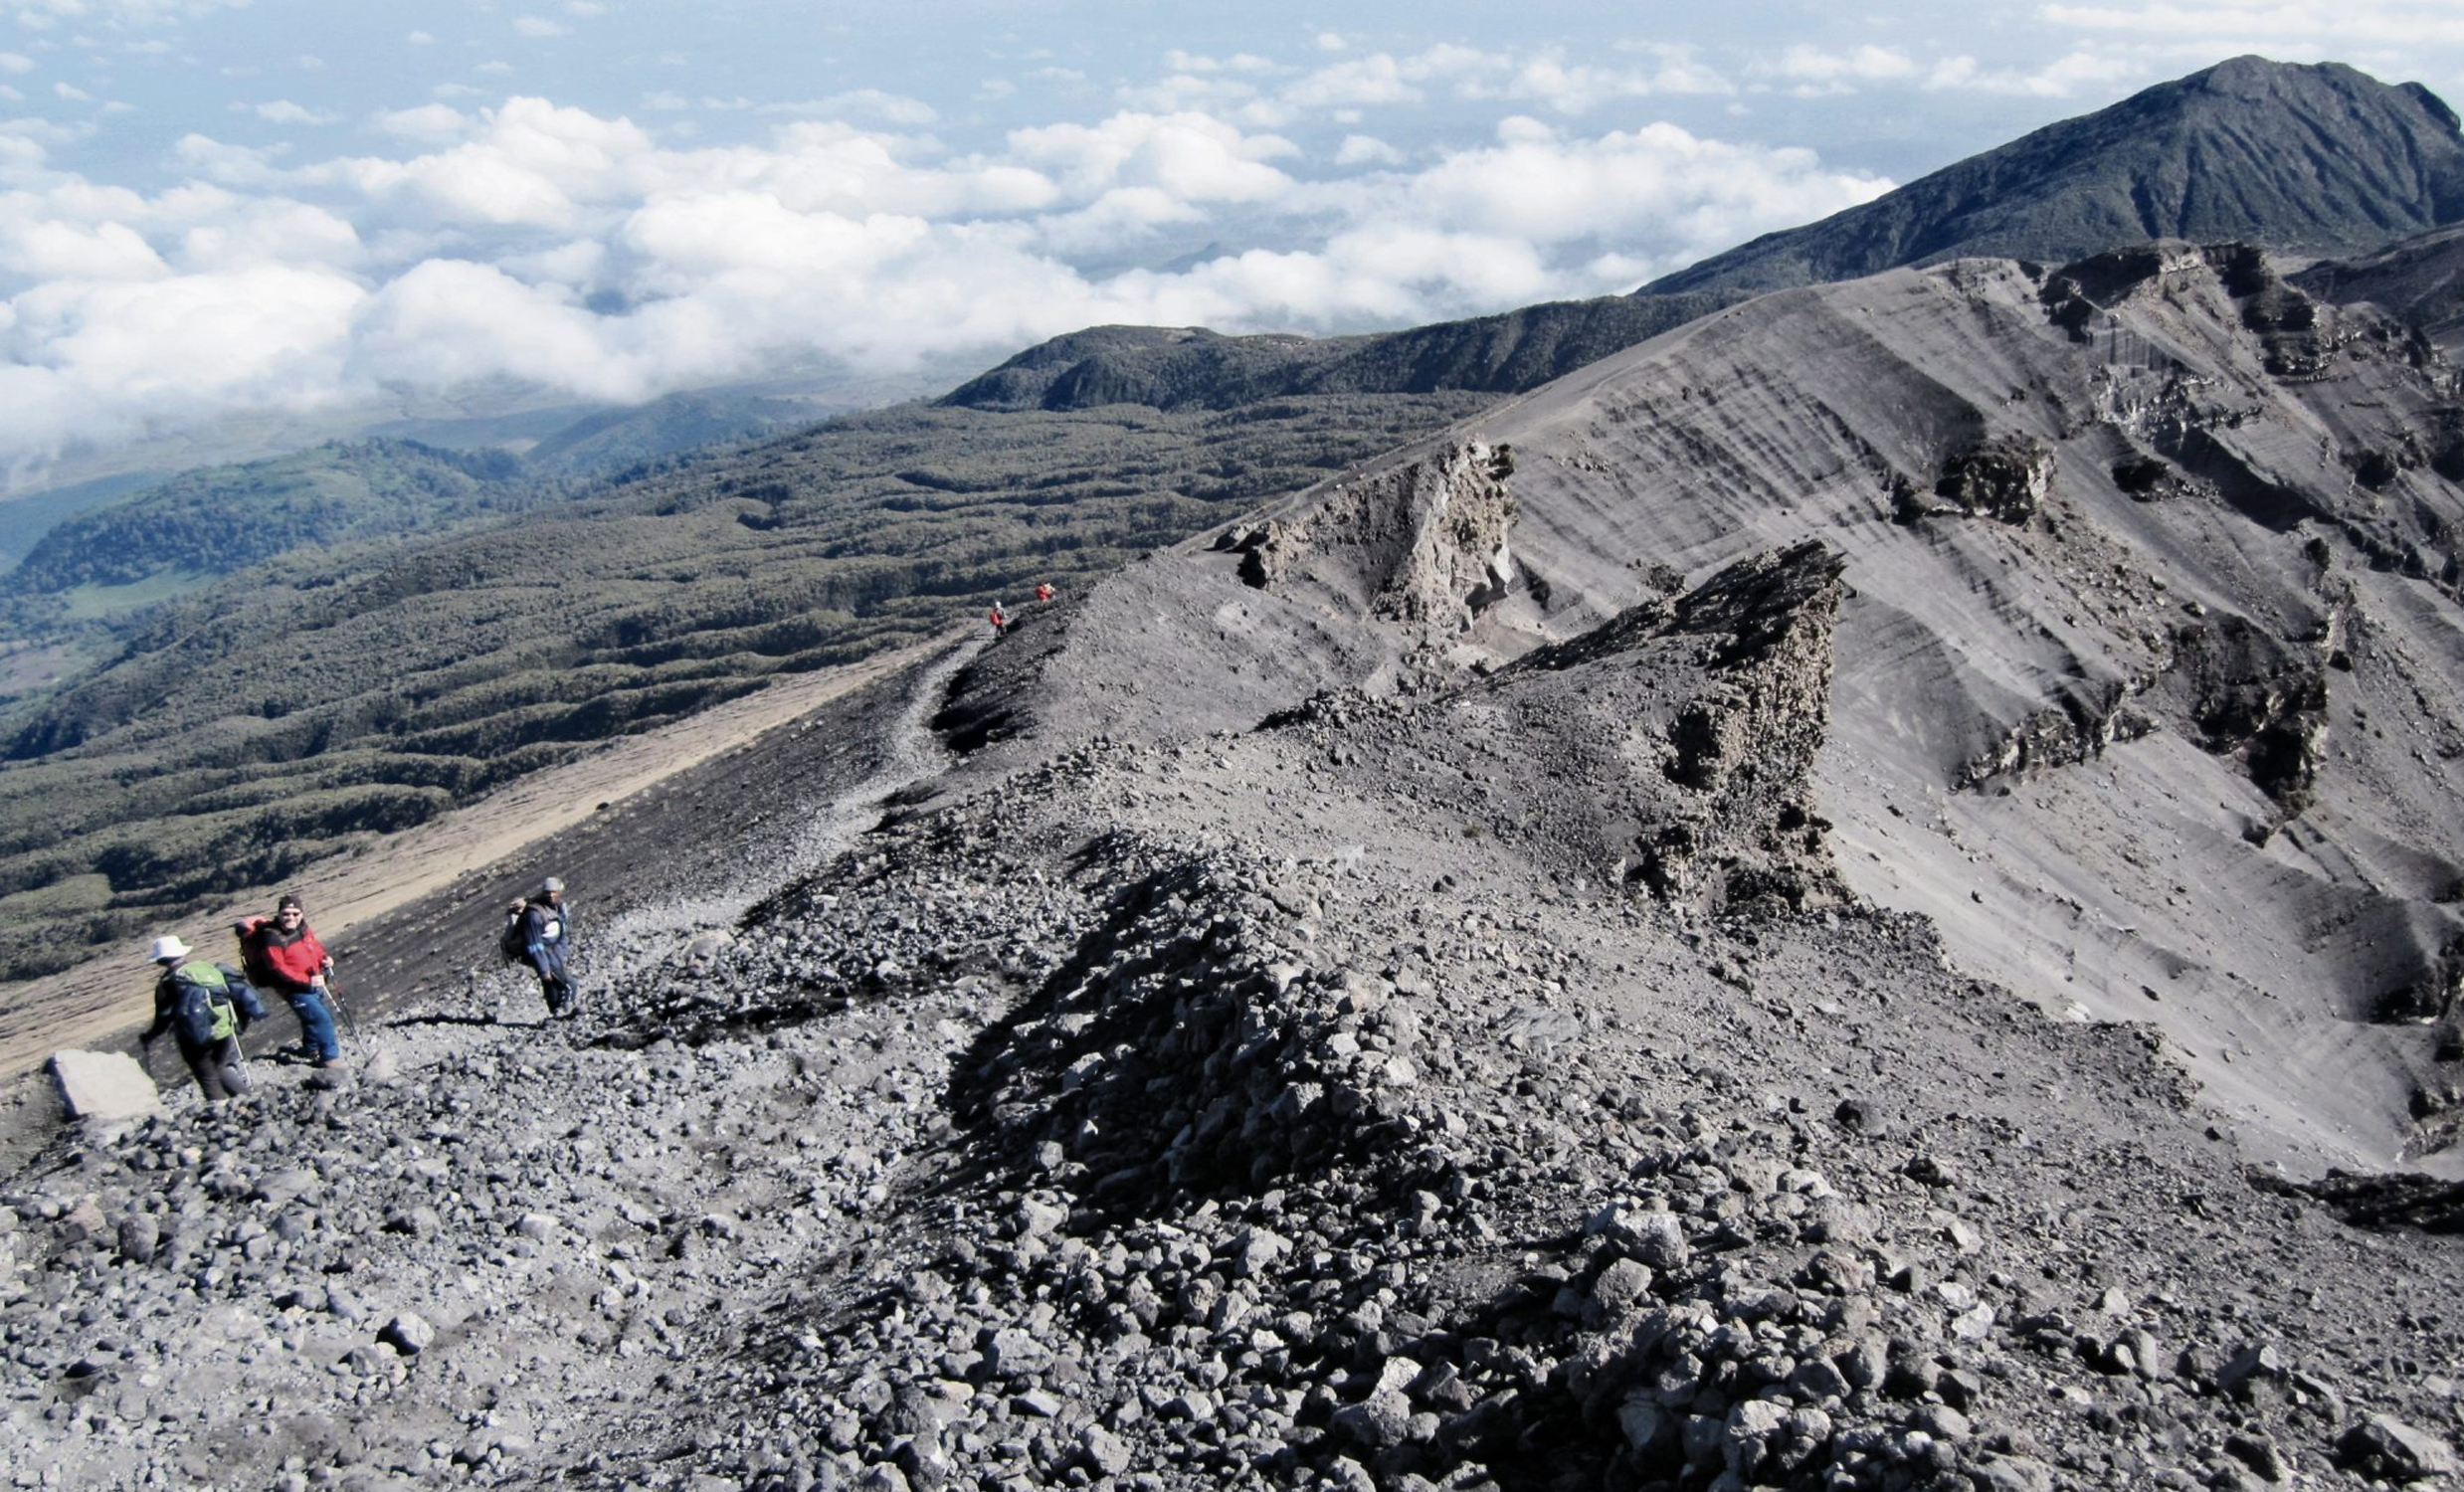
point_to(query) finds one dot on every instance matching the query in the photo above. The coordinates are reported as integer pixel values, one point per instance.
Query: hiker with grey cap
(540, 925)
(205, 1005)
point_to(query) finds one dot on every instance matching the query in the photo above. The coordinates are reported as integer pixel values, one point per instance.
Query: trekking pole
(348, 1024)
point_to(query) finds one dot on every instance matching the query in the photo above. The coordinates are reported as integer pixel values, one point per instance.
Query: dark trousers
(555, 987)
(217, 1068)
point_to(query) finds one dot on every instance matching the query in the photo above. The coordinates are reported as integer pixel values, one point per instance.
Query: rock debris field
(1422, 988)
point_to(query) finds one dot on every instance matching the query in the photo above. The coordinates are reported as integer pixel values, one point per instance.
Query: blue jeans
(315, 1024)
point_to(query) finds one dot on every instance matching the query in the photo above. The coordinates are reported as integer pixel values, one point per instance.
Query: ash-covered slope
(2146, 687)
(2420, 279)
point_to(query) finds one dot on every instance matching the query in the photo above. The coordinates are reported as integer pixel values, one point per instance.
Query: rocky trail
(1414, 991)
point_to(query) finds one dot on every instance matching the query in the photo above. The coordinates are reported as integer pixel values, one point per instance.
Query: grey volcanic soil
(1614, 962)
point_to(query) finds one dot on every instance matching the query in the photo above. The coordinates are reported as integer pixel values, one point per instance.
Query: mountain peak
(2311, 156)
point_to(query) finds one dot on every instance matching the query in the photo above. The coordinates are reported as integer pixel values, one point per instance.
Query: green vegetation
(24, 520)
(95, 600)
(348, 687)
(225, 518)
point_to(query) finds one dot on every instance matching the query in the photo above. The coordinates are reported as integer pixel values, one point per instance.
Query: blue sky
(241, 209)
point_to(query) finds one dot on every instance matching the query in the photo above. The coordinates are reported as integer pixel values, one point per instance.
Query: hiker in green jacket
(205, 1005)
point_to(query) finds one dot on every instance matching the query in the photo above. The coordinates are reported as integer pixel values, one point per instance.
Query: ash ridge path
(1398, 994)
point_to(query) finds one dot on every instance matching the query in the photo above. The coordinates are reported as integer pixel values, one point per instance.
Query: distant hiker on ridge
(540, 925)
(284, 956)
(1000, 620)
(205, 1007)
(1044, 592)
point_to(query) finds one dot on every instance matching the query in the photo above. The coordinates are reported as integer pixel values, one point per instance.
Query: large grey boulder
(2388, 1447)
(104, 1085)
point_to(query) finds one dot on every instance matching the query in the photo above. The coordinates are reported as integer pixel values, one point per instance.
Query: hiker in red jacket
(281, 954)
(1000, 620)
(1044, 592)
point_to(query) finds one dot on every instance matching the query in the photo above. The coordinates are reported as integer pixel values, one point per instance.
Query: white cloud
(72, 93)
(1865, 64)
(1191, 157)
(539, 27)
(1378, 79)
(478, 247)
(871, 103)
(284, 112)
(14, 62)
(449, 321)
(1578, 89)
(535, 165)
(1658, 184)
(1181, 91)
(1367, 150)
(585, 8)
(432, 122)
(419, 39)
(272, 232)
(1177, 61)
(2328, 24)
(98, 358)
(230, 165)
(48, 249)
(45, 13)
(1384, 80)
(2073, 73)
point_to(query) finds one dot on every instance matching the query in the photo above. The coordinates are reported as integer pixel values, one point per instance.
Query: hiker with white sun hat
(205, 1005)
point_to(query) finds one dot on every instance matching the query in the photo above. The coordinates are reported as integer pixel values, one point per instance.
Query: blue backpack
(203, 1007)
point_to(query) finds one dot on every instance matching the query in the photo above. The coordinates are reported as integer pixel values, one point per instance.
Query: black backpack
(202, 1005)
(514, 941)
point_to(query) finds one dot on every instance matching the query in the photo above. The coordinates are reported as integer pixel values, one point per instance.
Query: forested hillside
(302, 707)
(210, 522)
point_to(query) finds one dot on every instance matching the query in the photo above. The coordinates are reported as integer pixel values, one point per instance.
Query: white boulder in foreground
(104, 1085)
